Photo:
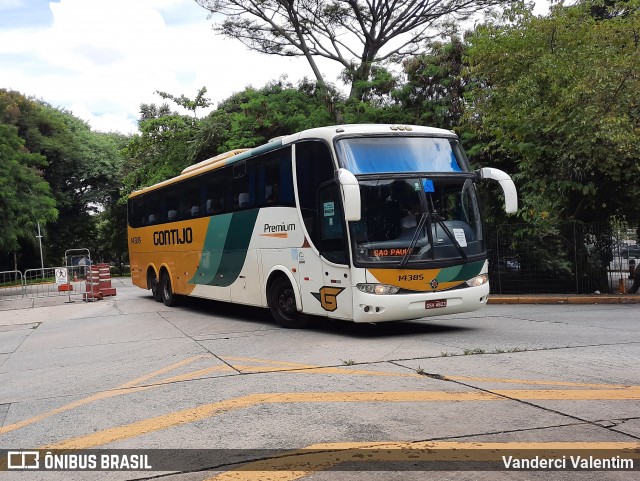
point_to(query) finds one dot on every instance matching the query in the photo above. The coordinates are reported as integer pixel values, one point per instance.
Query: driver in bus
(410, 219)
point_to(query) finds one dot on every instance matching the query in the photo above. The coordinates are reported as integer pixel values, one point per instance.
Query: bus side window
(170, 199)
(275, 178)
(214, 191)
(243, 185)
(152, 208)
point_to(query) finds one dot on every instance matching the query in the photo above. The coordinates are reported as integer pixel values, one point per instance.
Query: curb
(560, 299)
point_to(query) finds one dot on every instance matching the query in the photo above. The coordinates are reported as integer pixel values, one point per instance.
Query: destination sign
(391, 252)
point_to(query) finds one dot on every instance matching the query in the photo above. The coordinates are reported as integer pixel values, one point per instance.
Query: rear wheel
(152, 282)
(168, 297)
(282, 303)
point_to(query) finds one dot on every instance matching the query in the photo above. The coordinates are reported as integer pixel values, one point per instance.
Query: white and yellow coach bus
(367, 223)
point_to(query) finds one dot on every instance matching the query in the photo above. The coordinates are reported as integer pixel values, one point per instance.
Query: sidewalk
(564, 299)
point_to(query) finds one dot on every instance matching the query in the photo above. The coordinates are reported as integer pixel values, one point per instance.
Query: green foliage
(164, 145)
(25, 197)
(255, 116)
(80, 167)
(192, 105)
(436, 85)
(557, 103)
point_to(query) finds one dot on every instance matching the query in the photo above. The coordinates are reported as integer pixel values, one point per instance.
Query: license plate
(435, 304)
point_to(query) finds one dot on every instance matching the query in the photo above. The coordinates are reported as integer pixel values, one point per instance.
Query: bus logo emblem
(328, 297)
(434, 284)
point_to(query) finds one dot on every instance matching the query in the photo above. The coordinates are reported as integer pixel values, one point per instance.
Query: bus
(367, 223)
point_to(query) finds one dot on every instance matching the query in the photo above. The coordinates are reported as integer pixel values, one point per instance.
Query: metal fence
(573, 258)
(39, 283)
(11, 287)
(79, 281)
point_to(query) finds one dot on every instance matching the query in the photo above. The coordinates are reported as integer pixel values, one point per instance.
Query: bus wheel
(282, 303)
(168, 297)
(152, 281)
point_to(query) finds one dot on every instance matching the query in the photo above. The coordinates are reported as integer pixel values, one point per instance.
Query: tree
(25, 197)
(256, 115)
(164, 145)
(80, 167)
(436, 85)
(557, 102)
(358, 35)
(200, 101)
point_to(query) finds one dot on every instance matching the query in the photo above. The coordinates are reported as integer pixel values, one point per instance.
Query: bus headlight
(478, 280)
(379, 289)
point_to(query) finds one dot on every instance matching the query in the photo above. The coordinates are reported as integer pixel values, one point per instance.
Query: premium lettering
(279, 228)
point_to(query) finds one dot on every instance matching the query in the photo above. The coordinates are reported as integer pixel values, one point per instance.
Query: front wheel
(282, 303)
(168, 297)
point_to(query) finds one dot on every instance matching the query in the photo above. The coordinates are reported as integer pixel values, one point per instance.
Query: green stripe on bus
(225, 248)
(235, 248)
(460, 273)
(213, 249)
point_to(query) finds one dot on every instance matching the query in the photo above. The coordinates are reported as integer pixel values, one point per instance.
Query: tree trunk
(359, 79)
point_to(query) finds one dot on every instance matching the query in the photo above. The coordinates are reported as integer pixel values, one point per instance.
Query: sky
(100, 59)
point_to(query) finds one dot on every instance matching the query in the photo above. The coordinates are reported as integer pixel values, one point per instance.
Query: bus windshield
(416, 220)
(406, 154)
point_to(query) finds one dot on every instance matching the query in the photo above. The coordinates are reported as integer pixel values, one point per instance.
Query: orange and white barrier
(105, 280)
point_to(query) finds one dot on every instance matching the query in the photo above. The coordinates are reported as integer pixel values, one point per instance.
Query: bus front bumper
(402, 307)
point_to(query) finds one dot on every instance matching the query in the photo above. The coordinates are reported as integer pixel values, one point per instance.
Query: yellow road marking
(268, 361)
(125, 388)
(307, 368)
(186, 416)
(536, 382)
(324, 370)
(299, 463)
(158, 423)
(164, 370)
(194, 374)
(605, 392)
(310, 368)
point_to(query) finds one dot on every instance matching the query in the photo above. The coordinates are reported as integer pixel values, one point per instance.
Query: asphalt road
(130, 373)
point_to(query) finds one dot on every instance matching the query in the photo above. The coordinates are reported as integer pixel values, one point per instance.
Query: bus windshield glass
(375, 155)
(415, 220)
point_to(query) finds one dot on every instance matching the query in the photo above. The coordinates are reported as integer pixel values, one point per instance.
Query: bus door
(335, 295)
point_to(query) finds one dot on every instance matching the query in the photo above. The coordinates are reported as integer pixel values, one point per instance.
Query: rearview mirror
(350, 195)
(508, 187)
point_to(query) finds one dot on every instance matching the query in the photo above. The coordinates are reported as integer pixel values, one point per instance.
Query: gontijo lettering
(173, 237)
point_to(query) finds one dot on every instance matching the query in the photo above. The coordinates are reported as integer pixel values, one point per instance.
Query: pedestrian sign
(62, 276)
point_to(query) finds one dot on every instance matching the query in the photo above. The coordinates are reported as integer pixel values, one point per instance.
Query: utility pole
(39, 236)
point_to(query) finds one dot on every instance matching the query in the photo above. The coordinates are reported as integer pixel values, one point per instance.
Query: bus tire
(168, 297)
(154, 285)
(282, 304)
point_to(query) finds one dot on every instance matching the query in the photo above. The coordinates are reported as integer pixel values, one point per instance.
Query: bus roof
(325, 133)
(329, 133)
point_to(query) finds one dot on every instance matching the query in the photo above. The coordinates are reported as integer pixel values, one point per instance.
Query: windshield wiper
(414, 239)
(436, 217)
